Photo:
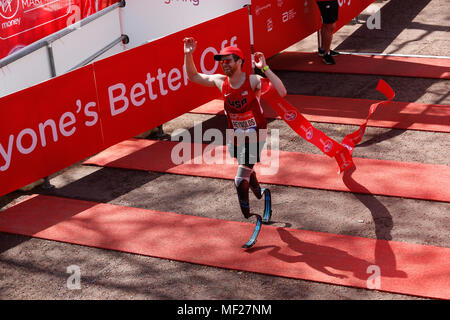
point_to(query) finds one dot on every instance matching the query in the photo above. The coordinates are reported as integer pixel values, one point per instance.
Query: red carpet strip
(380, 177)
(390, 266)
(398, 115)
(359, 64)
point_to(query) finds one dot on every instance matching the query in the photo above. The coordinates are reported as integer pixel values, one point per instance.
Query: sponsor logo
(327, 145)
(288, 15)
(290, 115)
(46, 10)
(258, 9)
(9, 8)
(193, 2)
(308, 132)
(269, 24)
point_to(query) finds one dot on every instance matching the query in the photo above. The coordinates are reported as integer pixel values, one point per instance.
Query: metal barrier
(58, 53)
(47, 41)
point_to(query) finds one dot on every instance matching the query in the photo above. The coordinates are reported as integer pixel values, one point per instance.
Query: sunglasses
(226, 60)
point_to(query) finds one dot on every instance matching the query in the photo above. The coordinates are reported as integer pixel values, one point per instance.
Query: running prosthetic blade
(267, 206)
(255, 234)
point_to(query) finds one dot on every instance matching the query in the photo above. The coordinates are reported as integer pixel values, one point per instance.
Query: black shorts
(247, 154)
(329, 11)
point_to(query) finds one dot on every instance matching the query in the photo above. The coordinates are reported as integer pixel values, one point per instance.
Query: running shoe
(328, 59)
(332, 52)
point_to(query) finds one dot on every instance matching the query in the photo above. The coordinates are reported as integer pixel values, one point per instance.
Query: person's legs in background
(329, 12)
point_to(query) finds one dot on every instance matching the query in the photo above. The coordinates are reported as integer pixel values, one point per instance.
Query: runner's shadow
(318, 257)
(321, 257)
(380, 215)
(384, 256)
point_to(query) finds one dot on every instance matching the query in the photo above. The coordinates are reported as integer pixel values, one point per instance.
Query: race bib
(243, 121)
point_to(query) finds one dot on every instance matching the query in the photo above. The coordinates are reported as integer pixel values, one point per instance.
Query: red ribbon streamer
(342, 152)
(354, 138)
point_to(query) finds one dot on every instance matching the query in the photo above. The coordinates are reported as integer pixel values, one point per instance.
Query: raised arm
(193, 75)
(260, 63)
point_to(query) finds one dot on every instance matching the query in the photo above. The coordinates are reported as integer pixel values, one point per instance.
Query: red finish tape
(342, 152)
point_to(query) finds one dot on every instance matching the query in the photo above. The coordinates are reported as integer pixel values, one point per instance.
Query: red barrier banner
(278, 24)
(50, 126)
(23, 22)
(147, 86)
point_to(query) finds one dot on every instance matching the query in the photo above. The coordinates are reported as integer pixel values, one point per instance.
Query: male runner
(241, 93)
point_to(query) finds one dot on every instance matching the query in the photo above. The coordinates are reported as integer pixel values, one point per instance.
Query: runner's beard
(229, 71)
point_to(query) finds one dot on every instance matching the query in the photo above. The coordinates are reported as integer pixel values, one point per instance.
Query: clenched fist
(260, 60)
(189, 45)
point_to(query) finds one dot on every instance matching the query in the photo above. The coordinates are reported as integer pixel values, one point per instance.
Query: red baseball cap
(229, 50)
